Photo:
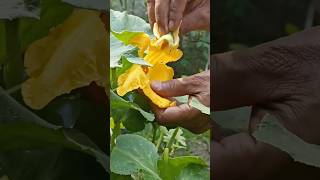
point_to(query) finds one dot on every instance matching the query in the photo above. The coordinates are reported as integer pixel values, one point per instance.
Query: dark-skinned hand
(282, 78)
(193, 15)
(183, 115)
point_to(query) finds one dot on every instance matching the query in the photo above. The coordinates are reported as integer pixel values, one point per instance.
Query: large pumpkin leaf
(124, 27)
(270, 131)
(117, 50)
(90, 4)
(122, 21)
(20, 128)
(134, 154)
(11, 9)
(171, 168)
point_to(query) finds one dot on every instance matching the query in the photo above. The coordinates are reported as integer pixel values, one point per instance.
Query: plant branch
(172, 139)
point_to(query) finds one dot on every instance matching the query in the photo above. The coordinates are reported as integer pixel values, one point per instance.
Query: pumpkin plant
(140, 148)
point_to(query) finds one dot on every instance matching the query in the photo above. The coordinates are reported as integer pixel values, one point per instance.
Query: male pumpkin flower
(66, 59)
(160, 51)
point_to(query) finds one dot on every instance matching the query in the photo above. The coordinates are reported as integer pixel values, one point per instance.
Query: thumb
(173, 88)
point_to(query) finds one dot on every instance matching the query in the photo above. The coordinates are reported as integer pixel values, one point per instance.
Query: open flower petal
(66, 59)
(156, 99)
(162, 55)
(132, 79)
(141, 41)
(160, 72)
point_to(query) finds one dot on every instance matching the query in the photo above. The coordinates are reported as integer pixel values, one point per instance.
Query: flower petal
(142, 41)
(132, 79)
(156, 99)
(66, 59)
(160, 72)
(156, 55)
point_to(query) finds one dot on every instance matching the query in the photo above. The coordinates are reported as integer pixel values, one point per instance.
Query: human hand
(282, 78)
(183, 115)
(193, 15)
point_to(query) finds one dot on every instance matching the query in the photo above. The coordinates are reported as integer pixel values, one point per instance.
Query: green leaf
(19, 8)
(135, 59)
(90, 4)
(126, 36)
(122, 21)
(133, 121)
(53, 12)
(270, 131)
(117, 50)
(133, 154)
(20, 128)
(194, 171)
(116, 102)
(171, 168)
(194, 102)
(124, 27)
(235, 119)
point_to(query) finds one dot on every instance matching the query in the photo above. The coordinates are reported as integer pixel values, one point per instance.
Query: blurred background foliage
(239, 24)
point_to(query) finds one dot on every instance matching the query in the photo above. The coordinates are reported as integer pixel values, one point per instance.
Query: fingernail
(171, 24)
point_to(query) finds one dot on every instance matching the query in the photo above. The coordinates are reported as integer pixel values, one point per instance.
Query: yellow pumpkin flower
(66, 59)
(159, 51)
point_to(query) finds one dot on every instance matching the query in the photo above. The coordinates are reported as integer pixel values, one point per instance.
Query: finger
(151, 12)
(177, 8)
(183, 116)
(175, 87)
(162, 15)
(196, 20)
(257, 160)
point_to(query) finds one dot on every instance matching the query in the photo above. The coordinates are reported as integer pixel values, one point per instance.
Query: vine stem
(159, 140)
(172, 139)
(154, 128)
(116, 133)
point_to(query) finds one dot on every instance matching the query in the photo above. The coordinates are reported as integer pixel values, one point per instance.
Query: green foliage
(133, 154)
(22, 129)
(285, 140)
(172, 168)
(194, 103)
